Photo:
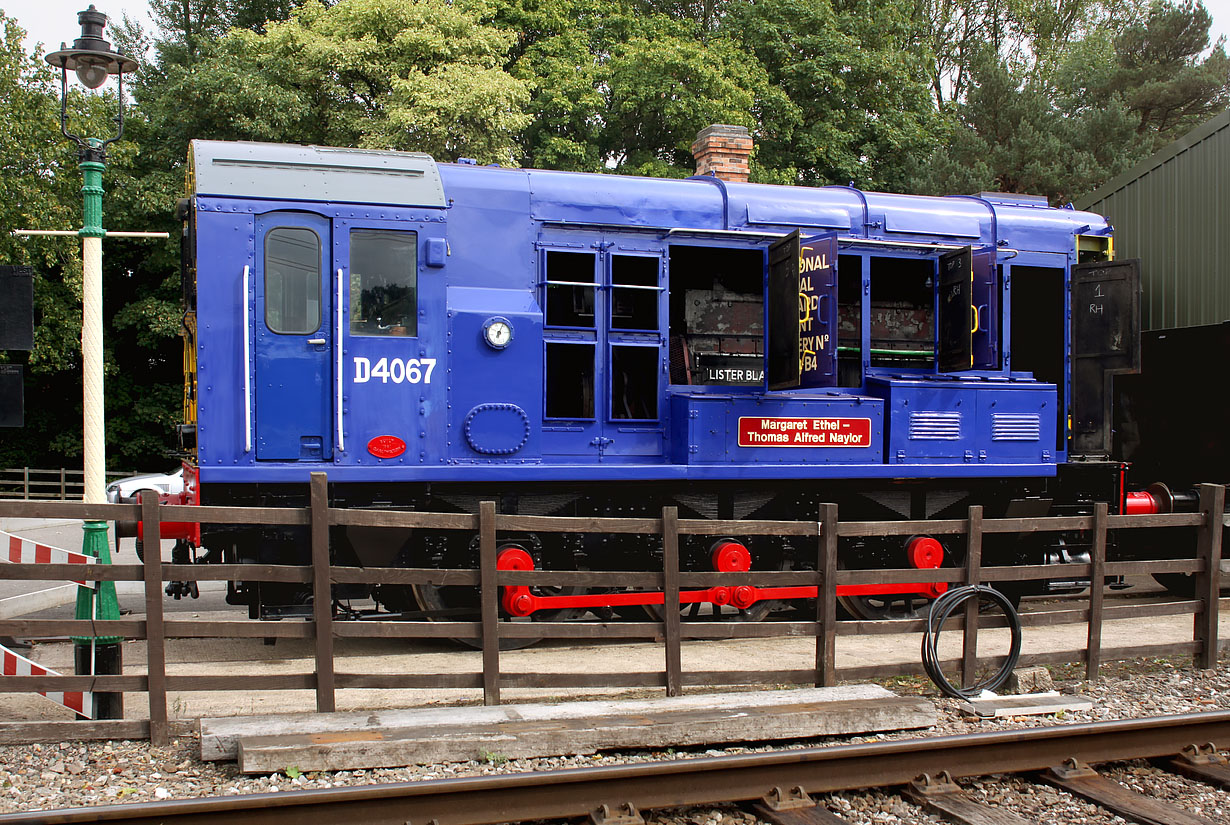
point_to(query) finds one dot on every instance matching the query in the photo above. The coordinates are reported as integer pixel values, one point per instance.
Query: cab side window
(383, 282)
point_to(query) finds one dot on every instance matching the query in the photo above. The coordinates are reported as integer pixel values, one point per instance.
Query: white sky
(53, 21)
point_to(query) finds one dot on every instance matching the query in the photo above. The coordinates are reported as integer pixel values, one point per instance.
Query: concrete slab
(430, 735)
(1026, 704)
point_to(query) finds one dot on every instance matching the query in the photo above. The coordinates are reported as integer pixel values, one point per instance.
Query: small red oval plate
(386, 446)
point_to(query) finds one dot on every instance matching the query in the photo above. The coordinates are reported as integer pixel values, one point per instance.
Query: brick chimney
(723, 151)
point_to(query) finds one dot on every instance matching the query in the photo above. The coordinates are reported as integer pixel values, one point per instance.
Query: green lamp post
(94, 61)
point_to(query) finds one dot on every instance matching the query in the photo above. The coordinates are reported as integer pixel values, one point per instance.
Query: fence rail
(33, 484)
(826, 529)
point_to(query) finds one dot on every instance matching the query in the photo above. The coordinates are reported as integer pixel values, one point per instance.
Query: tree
(1032, 37)
(619, 85)
(852, 96)
(422, 75)
(1162, 71)
(1113, 97)
(662, 89)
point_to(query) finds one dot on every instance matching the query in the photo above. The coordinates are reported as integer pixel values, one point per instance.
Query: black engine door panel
(801, 312)
(1105, 342)
(956, 311)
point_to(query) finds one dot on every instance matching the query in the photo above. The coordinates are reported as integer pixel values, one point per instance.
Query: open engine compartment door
(801, 312)
(985, 323)
(1105, 343)
(956, 311)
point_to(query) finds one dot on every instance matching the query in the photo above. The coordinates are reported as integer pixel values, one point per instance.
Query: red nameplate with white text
(761, 431)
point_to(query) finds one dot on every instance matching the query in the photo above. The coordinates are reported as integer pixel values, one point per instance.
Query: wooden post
(1208, 581)
(973, 575)
(64, 488)
(489, 603)
(1097, 587)
(322, 595)
(670, 600)
(25, 484)
(826, 598)
(155, 632)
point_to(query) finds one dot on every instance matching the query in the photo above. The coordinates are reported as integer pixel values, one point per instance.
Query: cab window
(383, 282)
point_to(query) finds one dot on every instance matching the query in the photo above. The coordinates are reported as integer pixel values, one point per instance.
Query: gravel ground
(36, 777)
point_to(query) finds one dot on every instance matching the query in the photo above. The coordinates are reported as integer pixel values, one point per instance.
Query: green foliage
(664, 89)
(492, 758)
(849, 99)
(1162, 71)
(387, 74)
(33, 159)
(624, 87)
(1137, 80)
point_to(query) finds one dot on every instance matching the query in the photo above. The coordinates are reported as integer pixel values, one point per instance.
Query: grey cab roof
(280, 171)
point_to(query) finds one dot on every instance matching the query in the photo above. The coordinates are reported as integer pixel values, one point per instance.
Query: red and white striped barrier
(78, 701)
(18, 550)
(27, 551)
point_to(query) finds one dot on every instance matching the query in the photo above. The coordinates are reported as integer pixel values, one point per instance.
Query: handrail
(341, 437)
(247, 364)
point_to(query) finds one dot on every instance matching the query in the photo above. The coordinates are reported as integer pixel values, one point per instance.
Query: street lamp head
(91, 56)
(93, 60)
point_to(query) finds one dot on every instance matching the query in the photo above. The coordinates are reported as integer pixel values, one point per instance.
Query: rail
(323, 628)
(30, 483)
(578, 792)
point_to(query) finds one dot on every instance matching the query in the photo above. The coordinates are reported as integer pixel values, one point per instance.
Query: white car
(125, 490)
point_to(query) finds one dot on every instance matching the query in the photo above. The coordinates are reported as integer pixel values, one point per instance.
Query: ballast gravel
(39, 777)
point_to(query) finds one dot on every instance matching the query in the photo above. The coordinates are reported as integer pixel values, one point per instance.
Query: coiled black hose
(941, 609)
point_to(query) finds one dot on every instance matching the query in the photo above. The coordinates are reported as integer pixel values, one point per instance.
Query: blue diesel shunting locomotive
(585, 344)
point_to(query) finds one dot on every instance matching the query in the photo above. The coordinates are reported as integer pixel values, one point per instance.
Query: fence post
(670, 600)
(1208, 581)
(489, 602)
(973, 575)
(63, 486)
(1097, 586)
(826, 598)
(322, 595)
(25, 483)
(155, 631)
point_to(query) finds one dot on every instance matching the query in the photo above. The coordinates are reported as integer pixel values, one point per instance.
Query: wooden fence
(824, 530)
(31, 484)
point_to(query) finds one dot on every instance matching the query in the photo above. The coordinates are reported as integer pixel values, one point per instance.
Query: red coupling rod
(923, 552)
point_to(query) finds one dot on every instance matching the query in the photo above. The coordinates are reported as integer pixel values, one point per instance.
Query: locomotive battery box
(800, 429)
(968, 421)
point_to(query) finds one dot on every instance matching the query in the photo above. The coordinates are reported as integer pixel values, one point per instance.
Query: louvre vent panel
(935, 426)
(1016, 427)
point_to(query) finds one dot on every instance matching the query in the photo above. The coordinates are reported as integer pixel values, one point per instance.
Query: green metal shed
(1170, 211)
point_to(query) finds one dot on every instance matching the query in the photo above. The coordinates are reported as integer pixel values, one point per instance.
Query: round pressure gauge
(497, 332)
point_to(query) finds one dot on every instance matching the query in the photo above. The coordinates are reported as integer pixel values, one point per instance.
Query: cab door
(292, 339)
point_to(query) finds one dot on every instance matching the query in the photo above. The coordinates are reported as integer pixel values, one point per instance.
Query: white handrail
(341, 438)
(247, 365)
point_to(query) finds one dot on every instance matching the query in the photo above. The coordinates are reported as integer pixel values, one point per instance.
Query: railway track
(776, 784)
